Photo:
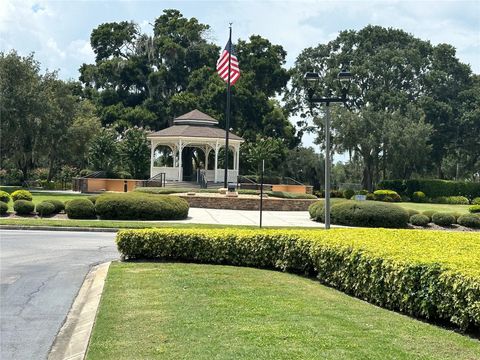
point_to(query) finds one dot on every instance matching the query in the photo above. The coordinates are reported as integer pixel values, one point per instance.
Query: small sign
(360, 197)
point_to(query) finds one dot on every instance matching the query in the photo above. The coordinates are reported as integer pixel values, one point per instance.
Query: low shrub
(429, 213)
(290, 195)
(347, 194)
(93, 198)
(361, 192)
(370, 196)
(469, 220)
(443, 219)
(403, 270)
(412, 212)
(3, 208)
(452, 200)
(419, 220)
(45, 208)
(22, 195)
(136, 206)
(368, 214)
(4, 197)
(476, 201)
(474, 209)
(386, 195)
(80, 209)
(419, 197)
(58, 205)
(23, 207)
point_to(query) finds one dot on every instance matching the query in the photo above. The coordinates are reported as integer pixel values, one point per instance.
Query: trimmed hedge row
(137, 206)
(433, 188)
(433, 275)
(362, 213)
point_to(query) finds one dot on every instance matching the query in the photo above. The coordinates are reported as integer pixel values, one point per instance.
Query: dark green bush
(419, 220)
(474, 209)
(443, 219)
(290, 195)
(419, 197)
(93, 198)
(429, 213)
(22, 195)
(433, 188)
(371, 264)
(469, 220)
(386, 195)
(476, 201)
(3, 208)
(370, 196)
(59, 206)
(412, 212)
(361, 192)
(137, 206)
(45, 208)
(368, 214)
(80, 209)
(347, 194)
(23, 207)
(453, 200)
(4, 197)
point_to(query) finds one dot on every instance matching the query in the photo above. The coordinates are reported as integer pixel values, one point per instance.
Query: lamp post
(344, 76)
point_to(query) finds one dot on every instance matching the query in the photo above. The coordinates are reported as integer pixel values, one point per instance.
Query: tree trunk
(367, 181)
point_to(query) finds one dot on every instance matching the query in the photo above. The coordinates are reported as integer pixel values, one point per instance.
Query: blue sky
(59, 31)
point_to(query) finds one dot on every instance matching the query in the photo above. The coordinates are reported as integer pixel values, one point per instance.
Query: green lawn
(191, 311)
(462, 209)
(38, 197)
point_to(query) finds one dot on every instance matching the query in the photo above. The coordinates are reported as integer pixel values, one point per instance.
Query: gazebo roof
(194, 124)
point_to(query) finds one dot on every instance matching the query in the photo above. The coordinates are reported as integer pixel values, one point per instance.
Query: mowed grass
(421, 207)
(191, 311)
(38, 197)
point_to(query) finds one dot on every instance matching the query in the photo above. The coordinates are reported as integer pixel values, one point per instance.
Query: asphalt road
(40, 275)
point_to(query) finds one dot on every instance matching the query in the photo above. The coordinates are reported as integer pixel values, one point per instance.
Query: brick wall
(272, 204)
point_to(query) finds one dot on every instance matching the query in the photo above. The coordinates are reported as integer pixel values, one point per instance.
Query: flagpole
(227, 115)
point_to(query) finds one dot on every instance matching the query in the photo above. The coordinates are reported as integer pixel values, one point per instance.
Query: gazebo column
(237, 162)
(207, 151)
(180, 160)
(216, 161)
(152, 157)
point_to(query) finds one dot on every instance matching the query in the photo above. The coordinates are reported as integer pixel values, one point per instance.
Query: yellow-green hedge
(428, 274)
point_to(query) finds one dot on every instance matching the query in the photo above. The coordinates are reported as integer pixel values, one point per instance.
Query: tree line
(415, 109)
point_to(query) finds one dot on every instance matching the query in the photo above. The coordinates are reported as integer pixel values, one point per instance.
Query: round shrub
(3, 208)
(419, 220)
(412, 212)
(386, 195)
(23, 207)
(476, 201)
(368, 214)
(93, 198)
(58, 205)
(443, 219)
(347, 194)
(45, 208)
(22, 195)
(419, 197)
(361, 192)
(469, 220)
(137, 206)
(429, 213)
(80, 209)
(474, 209)
(4, 197)
(370, 196)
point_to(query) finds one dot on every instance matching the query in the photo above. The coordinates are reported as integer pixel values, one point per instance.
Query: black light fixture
(344, 77)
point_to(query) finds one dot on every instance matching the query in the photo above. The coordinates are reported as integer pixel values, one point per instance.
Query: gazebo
(192, 144)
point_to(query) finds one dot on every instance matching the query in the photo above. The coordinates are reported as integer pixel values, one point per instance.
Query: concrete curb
(72, 340)
(58, 228)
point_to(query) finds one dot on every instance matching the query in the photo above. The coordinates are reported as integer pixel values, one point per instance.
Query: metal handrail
(293, 180)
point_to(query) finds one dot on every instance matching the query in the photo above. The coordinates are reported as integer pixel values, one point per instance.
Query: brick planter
(247, 203)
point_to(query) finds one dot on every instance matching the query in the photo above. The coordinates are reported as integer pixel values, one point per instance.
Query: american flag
(222, 64)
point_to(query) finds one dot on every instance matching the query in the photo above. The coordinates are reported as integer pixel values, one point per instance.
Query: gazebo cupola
(191, 144)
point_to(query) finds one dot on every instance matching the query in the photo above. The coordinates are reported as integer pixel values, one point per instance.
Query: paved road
(40, 274)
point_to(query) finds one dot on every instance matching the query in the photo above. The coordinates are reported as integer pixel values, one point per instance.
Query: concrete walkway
(249, 217)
